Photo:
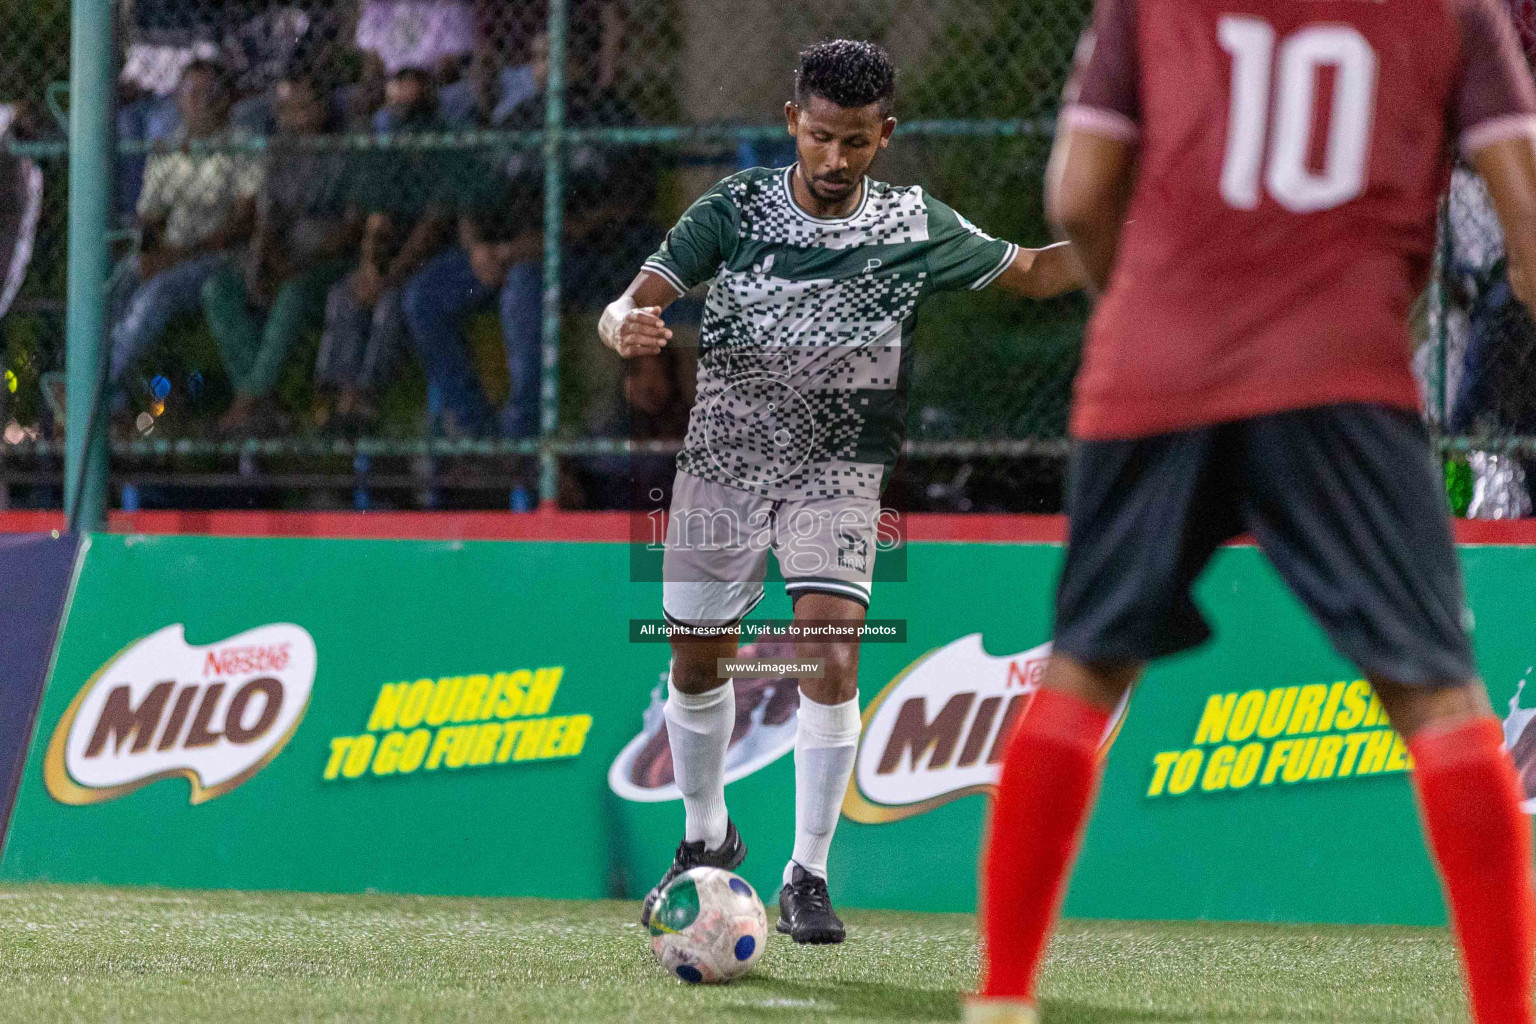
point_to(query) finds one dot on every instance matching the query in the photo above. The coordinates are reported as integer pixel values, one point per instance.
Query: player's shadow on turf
(857, 999)
(1059, 1011)
(886, 1002)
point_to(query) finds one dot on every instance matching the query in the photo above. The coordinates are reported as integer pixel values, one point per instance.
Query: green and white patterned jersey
(805, 349)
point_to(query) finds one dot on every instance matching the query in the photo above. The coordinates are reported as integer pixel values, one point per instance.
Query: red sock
(1047, 788)
(1470, 801)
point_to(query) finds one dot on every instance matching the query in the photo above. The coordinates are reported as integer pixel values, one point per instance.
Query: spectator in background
(304, 234)
(439, 301)
(1490, 340)
(489, 91)
(654, 409)
(357, 101)
(466, 86)
(410, 103)
(261, 50)
(404, 201)
(608, 194)
(21, 198)
(258, 52)
(1490, 357)
(415, 33)
(146, 107)
(194, 208)
(264, 48)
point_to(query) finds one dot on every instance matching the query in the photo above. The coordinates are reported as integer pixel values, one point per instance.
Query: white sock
(699, 731)
(826, 740)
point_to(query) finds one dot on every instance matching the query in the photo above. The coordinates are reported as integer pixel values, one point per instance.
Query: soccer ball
(708, 927)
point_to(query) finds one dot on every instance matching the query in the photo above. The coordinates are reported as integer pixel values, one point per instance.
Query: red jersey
(1290, 158)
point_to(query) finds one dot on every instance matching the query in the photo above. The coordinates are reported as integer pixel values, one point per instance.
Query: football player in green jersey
(816, 273)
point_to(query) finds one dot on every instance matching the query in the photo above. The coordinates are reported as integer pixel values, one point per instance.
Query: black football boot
(805, 910)
(728, 855)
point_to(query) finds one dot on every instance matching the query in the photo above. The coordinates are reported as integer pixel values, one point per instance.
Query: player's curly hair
(849, 72)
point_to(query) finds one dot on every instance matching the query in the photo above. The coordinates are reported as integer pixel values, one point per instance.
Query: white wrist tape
(612, 319)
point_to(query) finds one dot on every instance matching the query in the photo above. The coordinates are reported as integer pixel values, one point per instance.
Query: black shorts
(1345, 500)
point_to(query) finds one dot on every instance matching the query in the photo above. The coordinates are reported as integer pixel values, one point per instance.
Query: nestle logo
(1025, 673)
(215, 714)
(231, 660)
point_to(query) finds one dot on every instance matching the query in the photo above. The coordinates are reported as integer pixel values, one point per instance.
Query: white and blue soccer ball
(708, 927)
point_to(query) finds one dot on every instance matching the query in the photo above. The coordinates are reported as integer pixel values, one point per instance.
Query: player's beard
(831, 190)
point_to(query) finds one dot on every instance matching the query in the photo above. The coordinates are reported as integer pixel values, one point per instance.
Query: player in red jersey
(1251, 186)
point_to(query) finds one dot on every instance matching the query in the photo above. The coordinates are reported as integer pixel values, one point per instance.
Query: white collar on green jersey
(789, 194)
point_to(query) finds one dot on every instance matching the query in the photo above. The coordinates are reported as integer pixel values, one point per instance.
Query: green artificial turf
(82, 954)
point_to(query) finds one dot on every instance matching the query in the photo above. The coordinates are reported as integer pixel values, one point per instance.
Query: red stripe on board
(565, 526)
(591, 526)
(996, 528)
(1496, 531)
(546, 525)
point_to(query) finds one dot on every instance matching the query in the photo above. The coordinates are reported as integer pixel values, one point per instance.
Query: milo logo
(1520, 740)
(766, 721)
(939, 730)
(215, 714)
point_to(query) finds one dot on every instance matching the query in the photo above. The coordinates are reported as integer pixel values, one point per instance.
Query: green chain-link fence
(344, 347)
(32, 226)
(1478, 360)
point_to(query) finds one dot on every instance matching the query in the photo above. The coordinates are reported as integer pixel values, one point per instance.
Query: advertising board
(473, 718)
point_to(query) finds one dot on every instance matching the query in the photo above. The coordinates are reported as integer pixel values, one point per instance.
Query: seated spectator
(302, 239)
(502, 221)
(609, 193)
(403, 198)
(21, 199)
(489, 91)
(495, 258)
(194, 208)
(1490, 377)
(261, 50)
(356, 102)
(410, 103)
(654, 408)
(415, 33)
(146, 107)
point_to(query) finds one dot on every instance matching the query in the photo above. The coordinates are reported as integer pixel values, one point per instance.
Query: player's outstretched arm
(1509, 169)
(1042, 273)
(632, 324)
(1087, 191)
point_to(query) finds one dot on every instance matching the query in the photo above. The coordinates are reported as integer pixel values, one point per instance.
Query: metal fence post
(90, 191)
(554, 216)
